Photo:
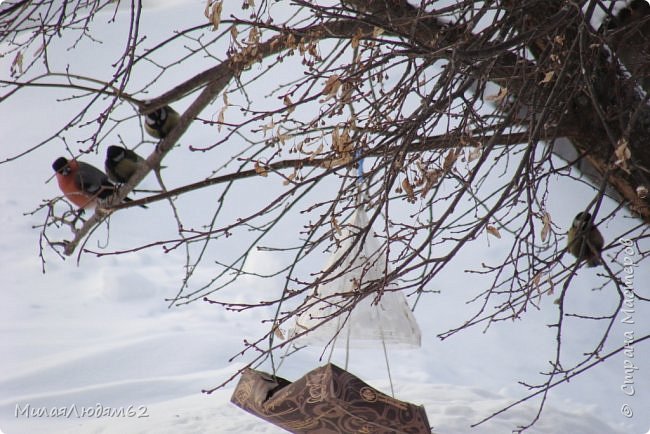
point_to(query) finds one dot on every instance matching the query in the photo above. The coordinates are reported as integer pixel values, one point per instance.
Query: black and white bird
(121, 163)
(160, 122)
(584, 240)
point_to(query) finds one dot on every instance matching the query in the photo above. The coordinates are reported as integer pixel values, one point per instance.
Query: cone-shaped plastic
(390, 320)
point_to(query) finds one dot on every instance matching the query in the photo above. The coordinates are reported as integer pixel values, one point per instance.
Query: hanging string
(361, 183)
(336, 337)
(347, 343)
(282, 359)
(347, 347)
(386, 358)
(359, 166)
(361, 195)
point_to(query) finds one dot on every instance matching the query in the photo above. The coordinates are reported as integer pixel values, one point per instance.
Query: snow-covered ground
(100, 335)
(450, 407)
(80, 352)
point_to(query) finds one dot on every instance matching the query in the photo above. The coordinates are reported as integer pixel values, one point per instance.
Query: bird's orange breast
(73, 193)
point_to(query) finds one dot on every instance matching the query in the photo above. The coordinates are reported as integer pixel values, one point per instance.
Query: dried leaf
(277, 331)
(268, 127)
(548, 77)
(206, 12)
(536, 280)
(551, 286)
(262, 171)
(356, 38)
(377, 31)
(291, 41)
(474, 154)
(493, 231)
(432, 178)
(420, 166)
(336, 139)
(335, 223)
(17, 64)
(221, 118)
(288, 103)
(290, 178)
(344, 140)
(408, 188)
(312, 49)
(450, 159)
(253, 36)
(546, 228)
(331, 86)
(300, 147)
(642, 191)
(503, 92)
(282, 137)
(215, 15)
(623, 154)
(234, 33)
(346, 93)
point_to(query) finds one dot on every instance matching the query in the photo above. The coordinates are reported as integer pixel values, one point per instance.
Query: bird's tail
(594, 261)
(128, 199)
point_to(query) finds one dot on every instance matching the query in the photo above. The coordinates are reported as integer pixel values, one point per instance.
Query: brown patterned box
(327, 400)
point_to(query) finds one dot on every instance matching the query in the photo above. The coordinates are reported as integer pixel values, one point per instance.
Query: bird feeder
(327, 400)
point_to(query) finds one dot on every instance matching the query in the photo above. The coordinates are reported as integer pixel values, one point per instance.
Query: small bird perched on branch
(160, 122)
(82, 184)
(121, 163)
(584, 240)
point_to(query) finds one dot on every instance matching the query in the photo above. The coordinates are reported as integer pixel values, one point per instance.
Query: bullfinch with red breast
(83, 184)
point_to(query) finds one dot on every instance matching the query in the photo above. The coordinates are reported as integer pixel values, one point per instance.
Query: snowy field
(100, 334)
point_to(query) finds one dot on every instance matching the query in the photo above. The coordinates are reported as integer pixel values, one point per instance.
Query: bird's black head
(640, 5)
(582, 219)
(157, 117)
(115, 153)
(60, 165)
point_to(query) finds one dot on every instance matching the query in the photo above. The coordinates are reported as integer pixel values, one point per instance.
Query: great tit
(83, 184)
(160, 122)
(121, 163)
(584, 240)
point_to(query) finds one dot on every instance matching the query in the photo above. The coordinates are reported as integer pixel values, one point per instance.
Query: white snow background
(100, 333)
